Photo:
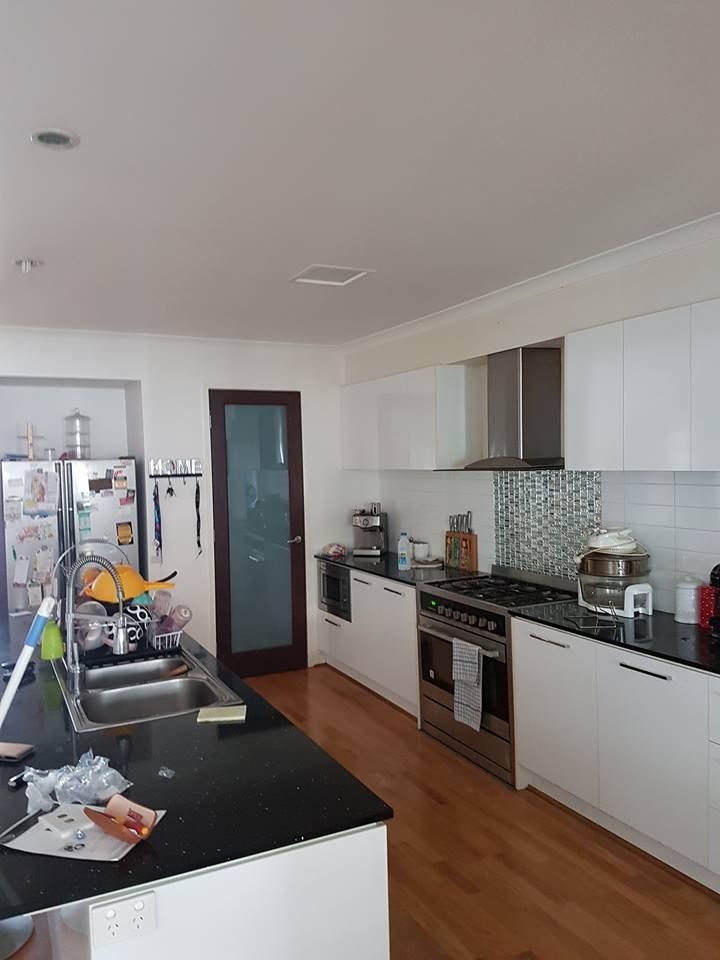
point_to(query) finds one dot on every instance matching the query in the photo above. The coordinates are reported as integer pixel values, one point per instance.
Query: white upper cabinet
(593, 393)
(657, 418)
(426, 419)
(705, 334)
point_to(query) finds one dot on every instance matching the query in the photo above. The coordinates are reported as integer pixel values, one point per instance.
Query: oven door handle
(491, 654)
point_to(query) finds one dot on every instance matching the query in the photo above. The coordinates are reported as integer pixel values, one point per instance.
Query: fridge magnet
(120, 480)
(100, 484)
(40, 493)
(128, 499)
(13, 510)
(84, 522)
(124, 532)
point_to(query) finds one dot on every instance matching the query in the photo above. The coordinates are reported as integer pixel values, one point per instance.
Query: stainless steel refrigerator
(52, 506)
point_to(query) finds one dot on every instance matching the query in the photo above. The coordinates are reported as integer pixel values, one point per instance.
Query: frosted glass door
(259, 531)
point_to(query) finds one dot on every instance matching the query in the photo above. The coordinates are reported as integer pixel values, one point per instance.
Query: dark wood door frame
(274, 659)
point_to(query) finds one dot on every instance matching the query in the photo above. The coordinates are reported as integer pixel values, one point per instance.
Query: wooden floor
(479, 871)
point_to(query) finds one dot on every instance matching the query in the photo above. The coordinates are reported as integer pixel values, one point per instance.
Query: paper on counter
(30, 835)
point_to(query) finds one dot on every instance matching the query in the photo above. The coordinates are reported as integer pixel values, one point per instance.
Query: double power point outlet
(118, 920)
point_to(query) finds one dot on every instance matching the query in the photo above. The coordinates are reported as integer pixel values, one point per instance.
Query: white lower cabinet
(555, 707)
(397, 635)
(653, 749)
(379, 647)
(335, 637)
(628, 734)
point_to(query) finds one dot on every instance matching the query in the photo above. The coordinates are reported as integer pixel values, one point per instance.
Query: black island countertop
(387, 566)
(238, 790)
(657, 636)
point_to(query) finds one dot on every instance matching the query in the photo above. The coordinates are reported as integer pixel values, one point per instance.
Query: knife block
(461, 550)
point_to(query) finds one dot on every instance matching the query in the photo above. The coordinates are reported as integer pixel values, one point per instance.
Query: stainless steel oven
(334, 589)
(491, 746)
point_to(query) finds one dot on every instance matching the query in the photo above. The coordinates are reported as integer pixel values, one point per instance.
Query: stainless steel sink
(129, 674)
(145, 701)
(132, 693)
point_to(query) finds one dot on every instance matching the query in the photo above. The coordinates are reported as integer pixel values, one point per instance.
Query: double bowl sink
(129, 693)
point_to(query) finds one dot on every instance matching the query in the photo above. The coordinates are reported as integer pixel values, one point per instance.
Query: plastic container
(77, 436)
(687, 600)
(708, 604)
(404, 552)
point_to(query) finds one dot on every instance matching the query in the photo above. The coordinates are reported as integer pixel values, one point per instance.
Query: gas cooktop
(502, 591)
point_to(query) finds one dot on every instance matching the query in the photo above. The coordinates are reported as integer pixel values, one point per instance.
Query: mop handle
(43, 615)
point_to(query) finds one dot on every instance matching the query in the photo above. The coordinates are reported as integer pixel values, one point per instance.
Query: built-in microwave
(334, 589)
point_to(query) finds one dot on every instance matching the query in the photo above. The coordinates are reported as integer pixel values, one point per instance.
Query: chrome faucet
(75, 670)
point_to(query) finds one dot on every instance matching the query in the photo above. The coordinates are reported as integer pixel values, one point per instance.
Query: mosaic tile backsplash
(543, 517)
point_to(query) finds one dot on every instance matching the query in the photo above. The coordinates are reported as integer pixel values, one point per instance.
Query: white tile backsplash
(420, 502)
(676, 516)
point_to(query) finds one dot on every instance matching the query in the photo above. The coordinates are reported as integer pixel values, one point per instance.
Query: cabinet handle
(553, 643)
(358, 580)
(398, 593)
(332, 624)
(648, 673)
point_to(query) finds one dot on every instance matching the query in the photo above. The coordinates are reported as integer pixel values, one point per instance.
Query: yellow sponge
(235, 713)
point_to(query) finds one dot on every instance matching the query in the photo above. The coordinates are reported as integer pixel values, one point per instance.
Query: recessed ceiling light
(328, 276)
(55, 139)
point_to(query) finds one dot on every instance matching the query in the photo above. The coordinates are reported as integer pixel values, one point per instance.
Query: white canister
(687, 600)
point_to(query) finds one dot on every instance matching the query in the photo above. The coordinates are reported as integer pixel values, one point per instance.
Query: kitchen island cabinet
(268, 844)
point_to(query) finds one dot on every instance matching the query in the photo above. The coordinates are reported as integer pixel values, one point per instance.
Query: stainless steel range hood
(524, 410)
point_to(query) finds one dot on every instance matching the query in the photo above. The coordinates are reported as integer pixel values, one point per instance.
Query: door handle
(647, 673)
(295, 540)
(553, 643)
(397, 593)
(365, 583)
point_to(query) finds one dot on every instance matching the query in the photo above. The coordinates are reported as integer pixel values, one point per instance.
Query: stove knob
(492, 626)
(463, 618)
(448, 612)
(456, 614)
(441, 610)
(482, 622)
(472, 620)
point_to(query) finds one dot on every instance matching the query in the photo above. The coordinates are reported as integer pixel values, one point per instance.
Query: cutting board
(461, 550)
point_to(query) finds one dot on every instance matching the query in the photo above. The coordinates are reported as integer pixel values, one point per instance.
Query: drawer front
(714, 724)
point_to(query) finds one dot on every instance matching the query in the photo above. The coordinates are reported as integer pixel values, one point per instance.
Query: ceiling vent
(327, 276)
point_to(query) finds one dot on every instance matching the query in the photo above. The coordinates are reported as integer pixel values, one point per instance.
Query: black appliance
(334, 589)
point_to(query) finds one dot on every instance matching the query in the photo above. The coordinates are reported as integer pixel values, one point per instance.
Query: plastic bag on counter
(92, 781)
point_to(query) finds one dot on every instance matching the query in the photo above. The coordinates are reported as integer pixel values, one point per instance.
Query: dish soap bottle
(404, 551)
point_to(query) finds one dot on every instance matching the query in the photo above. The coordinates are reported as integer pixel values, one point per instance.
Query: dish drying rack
(162, 642)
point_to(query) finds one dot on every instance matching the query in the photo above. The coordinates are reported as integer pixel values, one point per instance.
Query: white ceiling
(455, 146)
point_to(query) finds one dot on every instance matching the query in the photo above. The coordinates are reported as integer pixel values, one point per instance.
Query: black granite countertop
(387, 566)
(657, 636)
(238, 790)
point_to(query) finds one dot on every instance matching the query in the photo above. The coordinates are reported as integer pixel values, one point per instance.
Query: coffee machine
(370, 531)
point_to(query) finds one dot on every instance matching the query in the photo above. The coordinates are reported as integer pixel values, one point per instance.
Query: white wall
(175, 375)
(45, 406)
(678, 267)
(675, 515)
(420, 501)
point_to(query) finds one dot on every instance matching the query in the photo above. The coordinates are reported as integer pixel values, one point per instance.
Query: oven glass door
(436, 662)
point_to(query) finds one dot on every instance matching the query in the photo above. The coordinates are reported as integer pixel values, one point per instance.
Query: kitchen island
(268, 845)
